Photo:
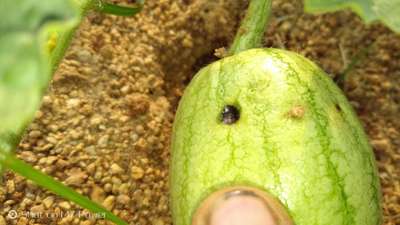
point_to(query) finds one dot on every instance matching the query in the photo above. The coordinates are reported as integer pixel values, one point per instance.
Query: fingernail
(241, 206)
(241, 210)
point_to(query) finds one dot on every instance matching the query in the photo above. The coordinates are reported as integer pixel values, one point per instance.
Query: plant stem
(12, 162)
(341, 79)
(119, 10)
(253, 26)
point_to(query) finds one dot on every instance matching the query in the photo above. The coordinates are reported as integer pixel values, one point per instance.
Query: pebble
(66, 220)
(23, 204)
(97, 194)
(134, 137)
(76, 179)
(22, 221)
(9, 202)
(61, 163)
(10, 186)
(108, 203)
(64, 205)
(35, 134)
(125, 89)
(106, 51)
(54, 127)
(381, 144)
(158, 222)
(116, 181)
(47, 100)
(26, 202)
(73, 103)
(37, 209)
(123, 199)
(98, 175)
(187, 42)
(91, 168)
(2, 220)
(84, 56)
(137, 172)
(91, 150)
(51, 159)
(51, 140)
(108, 187)
(96, 120)
(123, 119)
(75, 134)
(86, 222)
(103, 141)
(123, 188)
(140, 129)
(48, 201)
(116, 169)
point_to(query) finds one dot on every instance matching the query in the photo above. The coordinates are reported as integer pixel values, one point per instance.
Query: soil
(104, 126)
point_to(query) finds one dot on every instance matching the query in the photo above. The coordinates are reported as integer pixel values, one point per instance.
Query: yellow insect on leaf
(52, 42)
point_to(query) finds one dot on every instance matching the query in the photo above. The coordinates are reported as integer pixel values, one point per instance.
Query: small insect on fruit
(297, 112)
(230, 114)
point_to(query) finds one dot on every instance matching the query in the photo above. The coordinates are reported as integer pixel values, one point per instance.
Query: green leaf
(33, 38)
(387, 11)
(51, 184)
(28, 15)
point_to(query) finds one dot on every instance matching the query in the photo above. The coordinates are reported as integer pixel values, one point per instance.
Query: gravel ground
(105, 124)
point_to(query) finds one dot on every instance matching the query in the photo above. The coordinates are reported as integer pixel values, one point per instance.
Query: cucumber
(273, 120)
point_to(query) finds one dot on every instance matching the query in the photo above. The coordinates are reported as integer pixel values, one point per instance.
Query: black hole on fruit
(337, 106)
(230, 114)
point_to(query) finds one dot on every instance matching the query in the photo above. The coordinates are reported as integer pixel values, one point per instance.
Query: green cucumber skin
(319, 165)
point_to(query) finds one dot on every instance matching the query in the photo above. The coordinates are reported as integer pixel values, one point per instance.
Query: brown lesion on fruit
(296, 112)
